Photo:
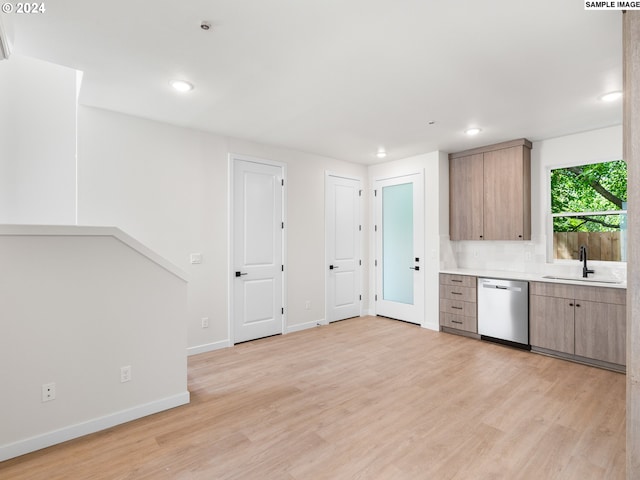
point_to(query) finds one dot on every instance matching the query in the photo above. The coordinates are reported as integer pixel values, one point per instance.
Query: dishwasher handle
(493, 286)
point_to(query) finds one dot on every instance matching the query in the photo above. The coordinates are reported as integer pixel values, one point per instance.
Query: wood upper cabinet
(466, 189)
(490, 192)
(507, 194)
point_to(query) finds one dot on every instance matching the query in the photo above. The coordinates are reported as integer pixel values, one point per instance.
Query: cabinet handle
(577, 304)
(457, 308)
(480, 236)
(458, 281)
(456, 293)
(571, 304)
(455, 321)
(519, 236)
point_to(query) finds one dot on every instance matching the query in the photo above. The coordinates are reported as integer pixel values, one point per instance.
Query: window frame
(550, 216)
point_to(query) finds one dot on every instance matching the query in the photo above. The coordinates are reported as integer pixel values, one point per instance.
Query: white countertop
(534, 277)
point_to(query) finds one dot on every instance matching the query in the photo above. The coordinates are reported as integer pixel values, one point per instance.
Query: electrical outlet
(205, 322)
(48, 392)
(307, 305)
(125, 374)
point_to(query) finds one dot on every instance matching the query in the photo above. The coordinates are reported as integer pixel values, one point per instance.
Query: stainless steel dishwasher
(503, 311)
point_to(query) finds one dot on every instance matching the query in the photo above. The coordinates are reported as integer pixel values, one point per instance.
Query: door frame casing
(232, 158)
(327, 174)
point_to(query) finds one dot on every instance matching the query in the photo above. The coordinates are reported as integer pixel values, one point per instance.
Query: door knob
(331, 267)
(414, 268)
(239, 274)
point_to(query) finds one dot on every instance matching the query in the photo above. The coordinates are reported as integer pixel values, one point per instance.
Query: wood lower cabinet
(588, 322)
(551, 323)
(458, 302)
(601, 331)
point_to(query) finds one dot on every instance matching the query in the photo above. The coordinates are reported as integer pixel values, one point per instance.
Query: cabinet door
(551, 323)
(505, 217)
(601, 331)
(465, 197)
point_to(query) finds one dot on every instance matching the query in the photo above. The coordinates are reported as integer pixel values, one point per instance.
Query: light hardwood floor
(366, 398)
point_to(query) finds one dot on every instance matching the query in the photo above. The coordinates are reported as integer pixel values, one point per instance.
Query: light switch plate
(196, 258)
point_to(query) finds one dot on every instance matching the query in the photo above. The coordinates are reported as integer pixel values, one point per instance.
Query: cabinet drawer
(547, 289)
(452, 292)
(616, 296)
(456, 307)
(458, 280)
(468, 324)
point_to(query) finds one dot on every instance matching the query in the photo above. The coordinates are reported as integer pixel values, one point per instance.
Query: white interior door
(400, 248)
(257, 250)
(342, 229)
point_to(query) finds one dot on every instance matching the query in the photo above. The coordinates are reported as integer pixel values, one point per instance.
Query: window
(589, 207)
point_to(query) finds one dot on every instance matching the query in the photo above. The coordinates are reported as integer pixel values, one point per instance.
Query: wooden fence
(600, 245)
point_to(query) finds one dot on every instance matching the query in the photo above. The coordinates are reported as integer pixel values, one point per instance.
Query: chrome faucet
(583, 258)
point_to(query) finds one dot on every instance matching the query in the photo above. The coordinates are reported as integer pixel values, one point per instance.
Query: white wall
(531, 256)
(37, 142)
(77, 305)
(168, 187)
(436, 207)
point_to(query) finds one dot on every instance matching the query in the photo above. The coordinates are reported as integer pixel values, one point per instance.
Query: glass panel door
(399, 234)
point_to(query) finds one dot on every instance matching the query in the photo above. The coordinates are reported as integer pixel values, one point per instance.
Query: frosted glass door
(399, 233)
(397, 243)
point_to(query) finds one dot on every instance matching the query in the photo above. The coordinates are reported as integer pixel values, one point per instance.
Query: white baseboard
(304, 326)
(64, 434)
(208, 347)
(431, 326)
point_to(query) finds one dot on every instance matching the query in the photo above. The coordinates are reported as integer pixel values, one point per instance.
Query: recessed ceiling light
(381, 153)
(472, 131)
(611, 96)
(181, 85)
(431, 122)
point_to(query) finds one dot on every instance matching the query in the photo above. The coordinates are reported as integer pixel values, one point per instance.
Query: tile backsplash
(528, 257)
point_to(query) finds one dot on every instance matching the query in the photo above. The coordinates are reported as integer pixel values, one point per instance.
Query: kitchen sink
(581, 279)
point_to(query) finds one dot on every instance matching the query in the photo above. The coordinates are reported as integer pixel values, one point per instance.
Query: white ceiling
(342, 78)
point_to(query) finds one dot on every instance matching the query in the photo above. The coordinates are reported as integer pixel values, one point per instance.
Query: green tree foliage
(589, 188)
